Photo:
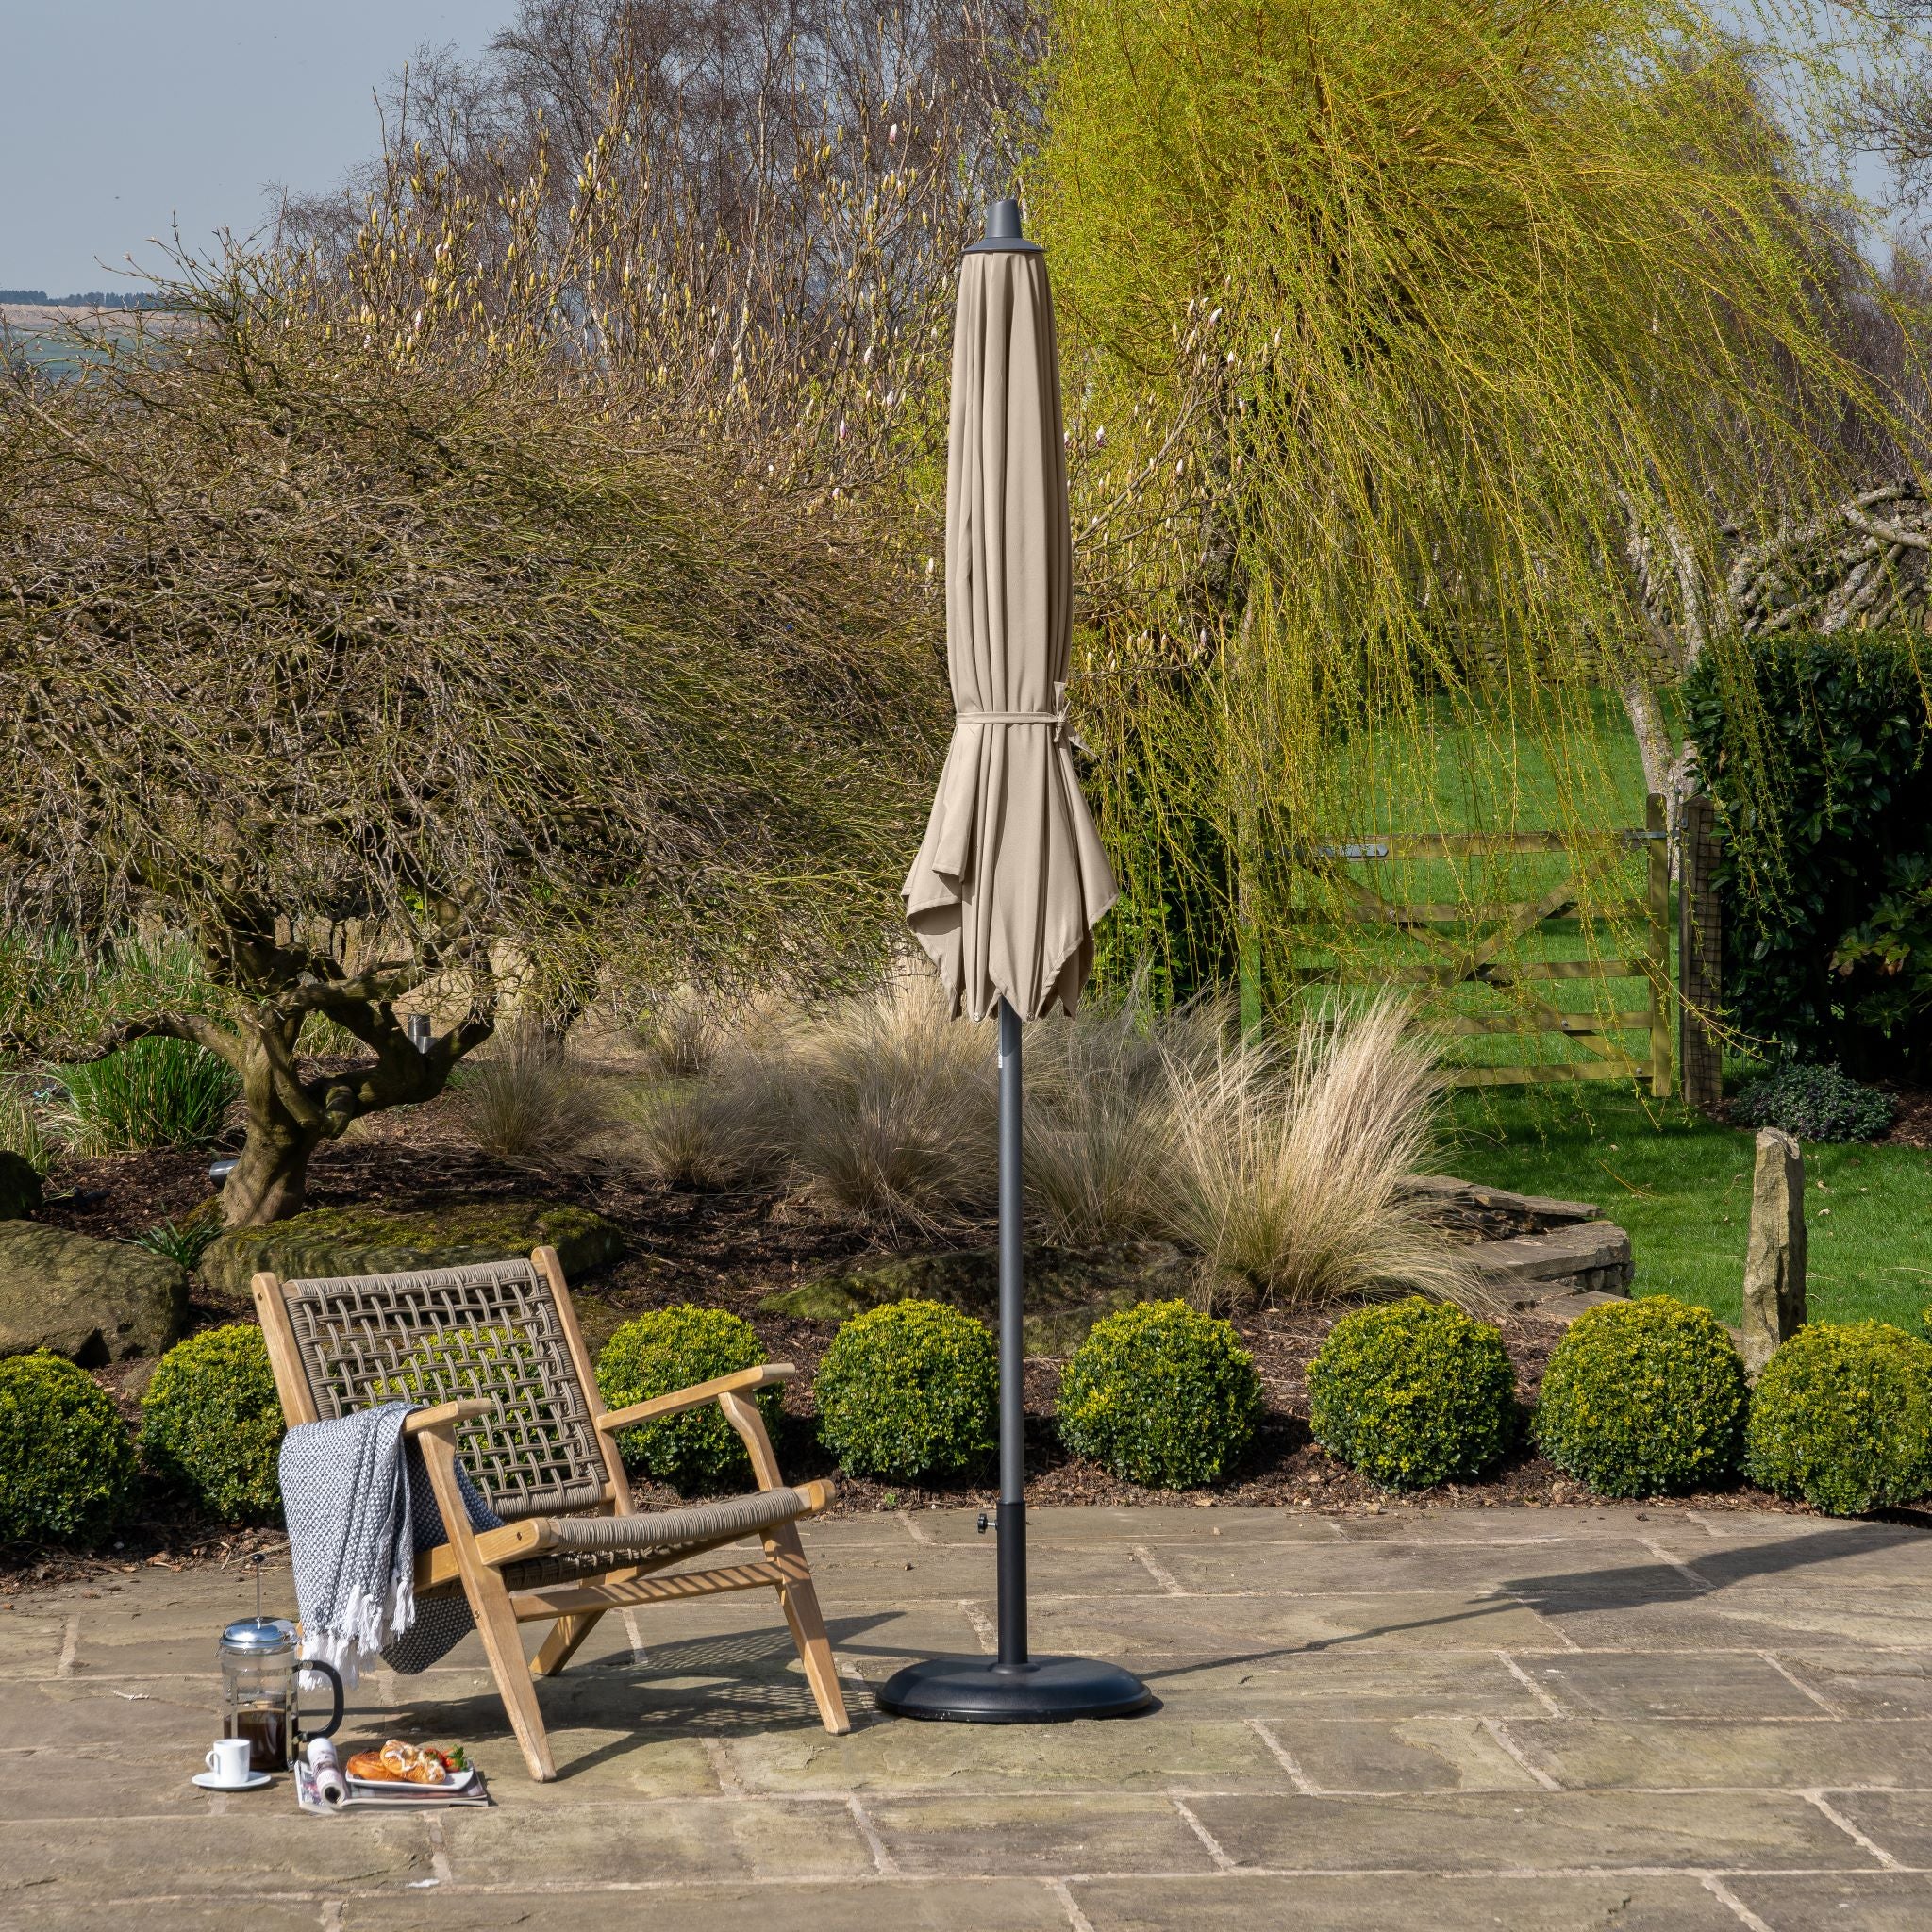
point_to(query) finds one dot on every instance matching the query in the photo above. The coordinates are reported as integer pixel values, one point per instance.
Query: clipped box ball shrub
(1643, 1399)
(212, 1424)
(1162, 1395)
(910, 1390)
(1842, 1417)
(66, 1462)
(671, 1349)
(1413, 1393)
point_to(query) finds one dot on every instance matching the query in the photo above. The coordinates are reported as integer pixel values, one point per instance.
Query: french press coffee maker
(261, 1696)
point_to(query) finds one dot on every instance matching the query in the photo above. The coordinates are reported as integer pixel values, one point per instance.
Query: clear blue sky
(118, 116)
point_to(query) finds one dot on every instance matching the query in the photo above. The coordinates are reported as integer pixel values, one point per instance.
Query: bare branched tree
(382, 673)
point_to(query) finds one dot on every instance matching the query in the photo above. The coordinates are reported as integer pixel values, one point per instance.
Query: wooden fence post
(1658, 849)
(1699, 958)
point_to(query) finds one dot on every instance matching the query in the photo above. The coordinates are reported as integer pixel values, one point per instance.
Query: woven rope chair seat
(589, 1546)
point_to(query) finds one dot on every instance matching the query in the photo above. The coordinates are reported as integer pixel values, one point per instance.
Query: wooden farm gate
(1486, 956)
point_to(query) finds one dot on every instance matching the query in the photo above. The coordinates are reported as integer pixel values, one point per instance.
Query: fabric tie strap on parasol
(1060, 718)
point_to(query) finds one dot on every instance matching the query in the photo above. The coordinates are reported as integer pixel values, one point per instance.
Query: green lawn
(1682, 1187)
(1457, 777)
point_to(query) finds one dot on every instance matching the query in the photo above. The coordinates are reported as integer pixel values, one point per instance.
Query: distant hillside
(97, 298)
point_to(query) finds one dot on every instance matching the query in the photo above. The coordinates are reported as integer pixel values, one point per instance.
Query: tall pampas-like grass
(1099, 1146)
(890, 1109)
(1290, 1163)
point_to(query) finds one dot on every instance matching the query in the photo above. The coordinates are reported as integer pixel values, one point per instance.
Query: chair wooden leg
(800, 1602)
(496, 1617)
(496, 1625)
(566, 1637)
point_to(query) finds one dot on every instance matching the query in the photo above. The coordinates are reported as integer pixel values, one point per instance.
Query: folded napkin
(360, 1511)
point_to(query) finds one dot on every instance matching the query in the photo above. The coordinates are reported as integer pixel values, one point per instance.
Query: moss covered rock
(328, 1242)
(1067, 1290)
(94, 1302)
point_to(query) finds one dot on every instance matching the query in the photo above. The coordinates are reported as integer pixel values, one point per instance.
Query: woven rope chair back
(492, 1330)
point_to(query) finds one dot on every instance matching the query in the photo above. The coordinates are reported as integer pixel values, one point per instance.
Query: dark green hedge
(1814, 752)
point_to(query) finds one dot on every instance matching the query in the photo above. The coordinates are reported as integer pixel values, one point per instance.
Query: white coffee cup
(229, 1761)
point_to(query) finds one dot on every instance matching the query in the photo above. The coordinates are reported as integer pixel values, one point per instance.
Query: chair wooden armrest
(698, 1394)
(446, 1415)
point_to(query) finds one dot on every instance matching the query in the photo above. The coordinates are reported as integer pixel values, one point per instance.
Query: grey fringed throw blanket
(360, 1511)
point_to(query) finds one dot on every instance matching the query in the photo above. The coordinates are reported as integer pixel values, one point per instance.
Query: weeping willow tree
(1427, 361)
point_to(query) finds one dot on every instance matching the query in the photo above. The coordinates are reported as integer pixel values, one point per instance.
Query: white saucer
(209, 1782)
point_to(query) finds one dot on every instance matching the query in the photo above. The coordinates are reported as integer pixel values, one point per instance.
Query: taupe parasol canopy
(1011, 877)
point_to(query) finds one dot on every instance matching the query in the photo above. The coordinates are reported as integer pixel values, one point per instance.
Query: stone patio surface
(1429, 1718)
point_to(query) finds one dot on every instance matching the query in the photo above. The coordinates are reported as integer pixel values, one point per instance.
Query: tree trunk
(1654, 745)
(271, 1179)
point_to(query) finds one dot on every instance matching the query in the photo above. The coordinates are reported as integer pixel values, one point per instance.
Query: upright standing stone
(1774, 1267)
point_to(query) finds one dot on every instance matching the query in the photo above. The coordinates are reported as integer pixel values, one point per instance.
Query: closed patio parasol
(1011, 877)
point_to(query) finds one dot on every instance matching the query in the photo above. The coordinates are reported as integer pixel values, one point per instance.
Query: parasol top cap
(1002, 231)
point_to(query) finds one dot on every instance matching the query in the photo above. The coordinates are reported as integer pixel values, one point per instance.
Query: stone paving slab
(1818, 1902)
(1244, 1903)
(1661, 1683)
(1788, 1754)
(1446, 1719)
(1866, 1684)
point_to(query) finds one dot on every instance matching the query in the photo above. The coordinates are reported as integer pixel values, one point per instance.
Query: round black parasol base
(1048, 1691)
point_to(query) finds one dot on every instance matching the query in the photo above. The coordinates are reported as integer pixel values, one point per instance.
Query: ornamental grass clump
(1290, 1166)
(910, 1390)
(1413, 1393)
(1643, 1399)
(887, 1108)
(1162, 1395)
(666, 1350)
(527, 1103)
(1842, 1417)
(67, 1467)
(211, 1424)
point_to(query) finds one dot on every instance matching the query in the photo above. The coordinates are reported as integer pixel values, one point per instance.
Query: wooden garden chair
(537, 1441)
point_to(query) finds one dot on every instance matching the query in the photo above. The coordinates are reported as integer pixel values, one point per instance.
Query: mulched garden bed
(731, 1250)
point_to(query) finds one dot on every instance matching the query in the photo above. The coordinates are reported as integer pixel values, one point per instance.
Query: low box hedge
(910, 1390)
(1413, 1393)
(67, 1465)
(1162, 1395)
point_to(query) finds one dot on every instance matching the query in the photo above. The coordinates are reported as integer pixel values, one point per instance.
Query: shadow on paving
(1717, 1568)
(1692, 1580)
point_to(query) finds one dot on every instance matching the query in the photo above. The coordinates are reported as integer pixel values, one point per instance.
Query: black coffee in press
(266, 1727)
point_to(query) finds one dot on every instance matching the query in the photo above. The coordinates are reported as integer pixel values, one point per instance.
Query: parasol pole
(1011, 1519)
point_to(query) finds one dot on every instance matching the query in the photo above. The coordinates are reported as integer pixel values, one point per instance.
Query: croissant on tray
(400, 1763)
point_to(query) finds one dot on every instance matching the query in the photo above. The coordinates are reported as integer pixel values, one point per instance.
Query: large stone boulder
(94, 1302)
(19, 1186)
(1067, 1290)
(384, 1240)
